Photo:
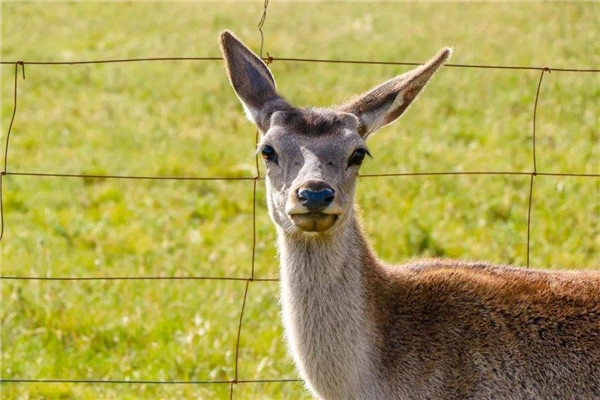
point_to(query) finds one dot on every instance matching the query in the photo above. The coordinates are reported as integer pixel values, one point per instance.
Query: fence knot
(269, 59)
(547, 69)
(22, 64)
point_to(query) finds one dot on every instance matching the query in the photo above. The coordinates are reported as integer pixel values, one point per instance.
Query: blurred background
(182, 119)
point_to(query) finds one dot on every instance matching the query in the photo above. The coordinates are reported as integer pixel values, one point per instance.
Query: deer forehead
(314, 121)
(314, 132)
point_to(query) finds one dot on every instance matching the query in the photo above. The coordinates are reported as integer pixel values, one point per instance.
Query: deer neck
(325, 310)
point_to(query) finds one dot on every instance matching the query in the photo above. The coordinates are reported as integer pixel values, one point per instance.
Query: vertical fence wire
(257, 177)
(534, 172)
(237, 342)
(10, 125)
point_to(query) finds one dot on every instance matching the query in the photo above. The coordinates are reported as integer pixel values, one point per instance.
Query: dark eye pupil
(357, 157)
(268, 153)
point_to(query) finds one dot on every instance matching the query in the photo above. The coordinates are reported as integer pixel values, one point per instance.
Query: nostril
(302, 195)
(328, 196)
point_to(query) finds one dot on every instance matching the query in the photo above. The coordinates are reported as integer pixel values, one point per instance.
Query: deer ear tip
(226, 37)
(446, 52)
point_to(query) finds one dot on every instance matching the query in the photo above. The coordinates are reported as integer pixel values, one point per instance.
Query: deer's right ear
(387, 102)
(252, 81)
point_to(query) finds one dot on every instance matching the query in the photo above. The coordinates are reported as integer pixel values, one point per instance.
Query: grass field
(182, 119)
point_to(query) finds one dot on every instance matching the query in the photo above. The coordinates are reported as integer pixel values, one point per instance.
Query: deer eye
(268, 153)
(357, 157)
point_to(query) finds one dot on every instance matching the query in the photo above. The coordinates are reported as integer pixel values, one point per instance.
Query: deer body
(434, 329)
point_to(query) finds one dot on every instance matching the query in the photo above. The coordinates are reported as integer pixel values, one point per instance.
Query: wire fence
(21, 64)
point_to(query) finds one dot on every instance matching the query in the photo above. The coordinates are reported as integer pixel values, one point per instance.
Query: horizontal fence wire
(533, 173)
(150, 382)
(271, 59)
(258, 178)
(136, 278)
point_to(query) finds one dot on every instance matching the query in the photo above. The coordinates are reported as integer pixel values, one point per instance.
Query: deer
(358, 328)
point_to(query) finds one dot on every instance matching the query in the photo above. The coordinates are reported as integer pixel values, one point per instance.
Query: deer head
(312, 156)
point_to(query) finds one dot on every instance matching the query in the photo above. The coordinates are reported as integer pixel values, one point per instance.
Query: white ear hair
(387, 102)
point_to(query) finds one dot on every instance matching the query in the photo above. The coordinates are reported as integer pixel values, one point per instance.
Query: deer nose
(316, 200)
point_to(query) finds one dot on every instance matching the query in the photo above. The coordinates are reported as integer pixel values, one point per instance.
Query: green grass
(182, 118)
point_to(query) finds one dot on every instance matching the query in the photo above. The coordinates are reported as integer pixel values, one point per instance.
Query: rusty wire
(307, 60)
(251, 278)
(534, 172)
(256, 178)
(148, 382)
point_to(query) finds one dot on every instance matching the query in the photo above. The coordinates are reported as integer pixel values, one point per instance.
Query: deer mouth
(314, 222)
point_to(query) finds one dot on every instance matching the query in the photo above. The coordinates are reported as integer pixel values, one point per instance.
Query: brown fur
(469, 329)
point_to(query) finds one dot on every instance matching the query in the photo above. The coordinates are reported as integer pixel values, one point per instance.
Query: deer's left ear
(251, 80)
(388, 101)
